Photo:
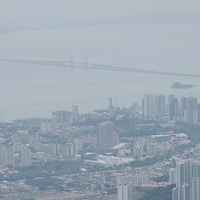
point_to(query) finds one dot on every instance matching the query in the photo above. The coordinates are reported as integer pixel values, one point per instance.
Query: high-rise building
(6, 155)
(189, 106)
(198, 112)
(9, 155)
(195, 188)
(187, 180)
(124, 189)
(172, 176)
(138, 150)
(110, 103)
(160, 107)
(149, 105)
(184, 192)
(173, 108)
(124, 192)
(175, 193)
(75, 114)
(182, 172)
(154, 106)
(45, 126)
(26, 156)
(106, 137)
(62, 118)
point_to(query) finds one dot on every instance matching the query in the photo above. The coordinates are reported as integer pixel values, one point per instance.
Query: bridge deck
(92, 66)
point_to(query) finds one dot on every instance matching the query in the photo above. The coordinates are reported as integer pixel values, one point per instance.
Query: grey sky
(31, 12)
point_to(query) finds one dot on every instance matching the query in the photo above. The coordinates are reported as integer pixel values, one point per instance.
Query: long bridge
(91, 66)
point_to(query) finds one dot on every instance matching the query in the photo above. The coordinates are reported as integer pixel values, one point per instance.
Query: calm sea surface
(35, 91)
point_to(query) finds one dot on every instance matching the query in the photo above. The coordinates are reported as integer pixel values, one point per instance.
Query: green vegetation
(192, 130)
(46, 183)
(53, 168)
(128, 128)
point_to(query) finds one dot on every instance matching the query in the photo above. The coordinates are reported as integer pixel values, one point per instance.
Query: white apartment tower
(75, 114)
(124, 189)
(189, 107)
(154, 106)
(106, 137)
(187, 180)
(62, 118)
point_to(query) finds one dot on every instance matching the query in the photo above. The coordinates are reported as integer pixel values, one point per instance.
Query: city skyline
(99, 100)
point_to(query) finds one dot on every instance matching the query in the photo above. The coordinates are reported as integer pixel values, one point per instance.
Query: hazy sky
(93, 9)
(94, 12)
(148, 33)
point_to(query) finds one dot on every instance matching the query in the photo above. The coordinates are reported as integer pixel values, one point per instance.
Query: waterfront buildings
(189, 107)
(154, 106)
(62, 118)
(75, 114)
(173, 108)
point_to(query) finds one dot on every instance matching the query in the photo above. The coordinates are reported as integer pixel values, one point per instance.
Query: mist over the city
(99, 100)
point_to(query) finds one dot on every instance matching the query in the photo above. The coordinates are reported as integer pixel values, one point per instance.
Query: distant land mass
(178, 85)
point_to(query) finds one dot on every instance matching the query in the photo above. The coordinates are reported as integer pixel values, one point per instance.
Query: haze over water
(36, 91)
(160, 36)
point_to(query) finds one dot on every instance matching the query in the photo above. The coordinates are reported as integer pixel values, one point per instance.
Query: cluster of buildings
(156, 107)
(138, 148)
(69, 135)
(53, 151)
(23, 148)
(66, 118)
(186, 176)
(131, 184)
(37, 150)
(16, 154)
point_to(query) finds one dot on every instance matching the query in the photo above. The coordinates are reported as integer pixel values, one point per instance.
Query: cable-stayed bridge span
(91, 66)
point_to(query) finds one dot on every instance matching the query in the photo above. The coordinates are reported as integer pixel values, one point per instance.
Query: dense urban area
(147, 151)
